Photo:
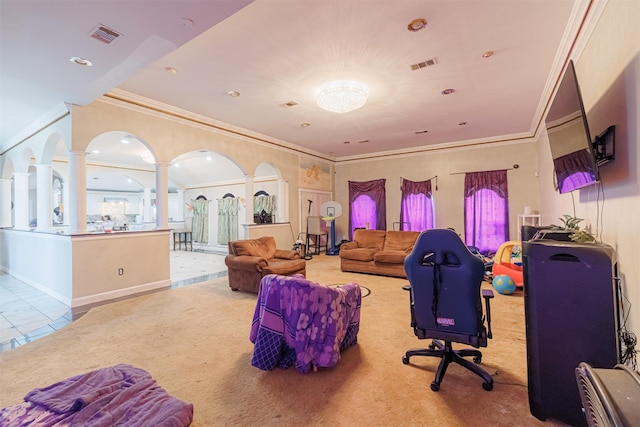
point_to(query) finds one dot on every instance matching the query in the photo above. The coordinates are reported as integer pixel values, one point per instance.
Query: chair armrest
(487, 294)
(246, 262)
(349, 245)
(280, 253)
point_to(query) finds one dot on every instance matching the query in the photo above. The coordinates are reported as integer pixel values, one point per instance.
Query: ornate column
(5, 203)
(44, 187)
(77, 209)
(162, 195)
(248, 189)
(21, 196)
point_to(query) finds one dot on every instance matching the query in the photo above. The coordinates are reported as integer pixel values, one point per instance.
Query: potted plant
(571, 223)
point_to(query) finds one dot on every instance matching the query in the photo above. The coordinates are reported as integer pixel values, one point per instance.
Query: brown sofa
(377, 252)
(250, 260)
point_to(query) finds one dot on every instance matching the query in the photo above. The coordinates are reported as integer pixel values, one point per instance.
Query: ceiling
(276, 52)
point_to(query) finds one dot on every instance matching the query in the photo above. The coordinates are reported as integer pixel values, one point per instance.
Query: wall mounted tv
(569, 138)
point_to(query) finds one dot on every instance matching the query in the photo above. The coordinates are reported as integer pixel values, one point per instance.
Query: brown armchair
(249, 260)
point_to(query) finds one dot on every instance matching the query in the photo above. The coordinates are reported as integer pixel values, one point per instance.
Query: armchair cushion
(262, 247)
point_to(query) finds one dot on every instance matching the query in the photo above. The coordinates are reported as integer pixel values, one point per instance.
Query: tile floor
(27, 314)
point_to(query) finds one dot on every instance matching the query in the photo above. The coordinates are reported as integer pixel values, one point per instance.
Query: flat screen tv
(571, 147)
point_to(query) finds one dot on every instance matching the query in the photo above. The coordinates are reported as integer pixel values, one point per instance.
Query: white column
(180, 212)
(283, 201)
(21, 195)
(44, 187)
(146, 216)
(162, 195)
(5, 203)
(248, 190)
(77, 209)
(65, 202)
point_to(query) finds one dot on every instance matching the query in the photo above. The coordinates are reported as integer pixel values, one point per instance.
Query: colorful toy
(504, 284)
(504, 261)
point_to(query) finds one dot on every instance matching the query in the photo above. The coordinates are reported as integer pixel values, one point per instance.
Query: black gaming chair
(446, 306)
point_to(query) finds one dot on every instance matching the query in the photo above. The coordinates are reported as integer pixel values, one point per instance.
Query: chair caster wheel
(405, 360)
(477, 359)
(435, 386)
(432, 346)
(487, 386)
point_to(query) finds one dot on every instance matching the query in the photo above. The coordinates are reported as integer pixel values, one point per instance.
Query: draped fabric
(228, 219)
(486, 210)
(266, 203)
(416, 206)
(200, 225)
(367, 205)
(574, 170)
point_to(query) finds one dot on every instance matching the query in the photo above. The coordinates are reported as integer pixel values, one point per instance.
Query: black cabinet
(571, 314)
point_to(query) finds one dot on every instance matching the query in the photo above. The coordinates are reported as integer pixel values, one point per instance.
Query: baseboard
(111, 296)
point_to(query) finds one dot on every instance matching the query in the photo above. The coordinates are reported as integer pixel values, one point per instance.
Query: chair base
(448, 355)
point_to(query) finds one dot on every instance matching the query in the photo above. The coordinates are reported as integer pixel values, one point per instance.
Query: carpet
(195, 342)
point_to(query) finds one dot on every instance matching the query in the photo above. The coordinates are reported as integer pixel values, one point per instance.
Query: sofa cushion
(263, 247)
(371, 239)
(390, 257)
(400, 240)
(284, 267)
(359, 254)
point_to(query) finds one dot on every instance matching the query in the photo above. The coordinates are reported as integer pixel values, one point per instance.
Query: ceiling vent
(424, 64)
(104, 34)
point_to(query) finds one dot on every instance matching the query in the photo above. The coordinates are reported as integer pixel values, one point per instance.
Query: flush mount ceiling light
(80, 61)
(147, 157)
(448, 91)
(233, 93)
(342, 96)
(417, 24)
(487, 54)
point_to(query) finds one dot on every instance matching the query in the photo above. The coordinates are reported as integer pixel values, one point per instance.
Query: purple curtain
(574, 170)
(486, 210)
(416, 206)
(367, 205)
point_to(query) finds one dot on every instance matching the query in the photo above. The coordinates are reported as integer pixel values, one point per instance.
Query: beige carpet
(195, 342)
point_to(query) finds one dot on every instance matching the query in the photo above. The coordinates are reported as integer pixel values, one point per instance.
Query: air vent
(424, 64)
(104, 34)
(289, 104)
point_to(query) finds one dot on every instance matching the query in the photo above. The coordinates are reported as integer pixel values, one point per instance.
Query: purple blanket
(120, 395)
(300, 322)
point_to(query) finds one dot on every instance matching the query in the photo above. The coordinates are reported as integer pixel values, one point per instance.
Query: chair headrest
(441, 246)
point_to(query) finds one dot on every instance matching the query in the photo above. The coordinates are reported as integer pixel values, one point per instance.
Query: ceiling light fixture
(80, 61)
(233, 93)
(417, 24)
(147, 157)
(487, 54)
(448, 91)
(305, 125)
(342, 96)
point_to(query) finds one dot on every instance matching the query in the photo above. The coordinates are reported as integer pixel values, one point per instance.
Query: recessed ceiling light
(80, 61)
(95, 151)
(171, 71)
(462, 123)
(417, 24)
(176, 165)
(418, 132)
(448, 91)
(233, 93)
(208, 158)
(487, 54)
(363, 141)
(305, 125)
(347, 142)
(187, 23)
(129, 180)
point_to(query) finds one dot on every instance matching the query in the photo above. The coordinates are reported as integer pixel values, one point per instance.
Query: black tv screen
(569, 138)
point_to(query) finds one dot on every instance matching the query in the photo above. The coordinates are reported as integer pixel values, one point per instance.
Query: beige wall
(449, 165)
(608, 71)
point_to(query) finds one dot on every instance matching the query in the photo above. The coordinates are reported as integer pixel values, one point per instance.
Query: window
(416, 206)
(367, 205)
(486, 210)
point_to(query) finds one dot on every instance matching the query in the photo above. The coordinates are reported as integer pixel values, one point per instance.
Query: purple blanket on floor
(120, 395)
(300, 322)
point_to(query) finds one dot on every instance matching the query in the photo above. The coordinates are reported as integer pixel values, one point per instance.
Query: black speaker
(571, 314)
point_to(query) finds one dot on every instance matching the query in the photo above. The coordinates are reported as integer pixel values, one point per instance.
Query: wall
(608, 72)
(449, 165)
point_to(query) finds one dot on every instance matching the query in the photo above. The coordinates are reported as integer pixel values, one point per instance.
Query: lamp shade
(342, 96)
